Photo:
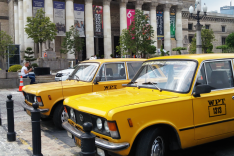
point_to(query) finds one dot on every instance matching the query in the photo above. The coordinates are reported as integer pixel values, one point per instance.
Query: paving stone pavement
(54, 142)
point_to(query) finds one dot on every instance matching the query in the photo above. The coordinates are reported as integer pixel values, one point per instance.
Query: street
(56, 142)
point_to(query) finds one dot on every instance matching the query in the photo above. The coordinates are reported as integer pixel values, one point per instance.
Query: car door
(213, 112)
(111, 76)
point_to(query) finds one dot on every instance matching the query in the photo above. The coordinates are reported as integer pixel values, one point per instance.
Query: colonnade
(23, 9)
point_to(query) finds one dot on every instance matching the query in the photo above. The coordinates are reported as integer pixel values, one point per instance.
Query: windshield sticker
(110, 87)
(217, 107)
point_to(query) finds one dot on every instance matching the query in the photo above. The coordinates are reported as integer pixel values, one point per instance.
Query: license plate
(28, 112)
(77, 141)
(69, 134)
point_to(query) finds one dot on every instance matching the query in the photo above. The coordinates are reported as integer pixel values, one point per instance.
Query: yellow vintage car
(173, 102)
(89, 76)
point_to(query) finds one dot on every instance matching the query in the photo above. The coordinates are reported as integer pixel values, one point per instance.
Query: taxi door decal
(110, 87)
(217, 107)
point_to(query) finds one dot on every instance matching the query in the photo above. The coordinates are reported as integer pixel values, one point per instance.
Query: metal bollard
(11, 135)
(0, 118)
(36, 130)
(88, 140)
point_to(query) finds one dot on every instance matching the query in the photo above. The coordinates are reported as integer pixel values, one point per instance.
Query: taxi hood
(100, 103)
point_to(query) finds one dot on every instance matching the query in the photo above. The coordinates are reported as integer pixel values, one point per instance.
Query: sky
(216, 4)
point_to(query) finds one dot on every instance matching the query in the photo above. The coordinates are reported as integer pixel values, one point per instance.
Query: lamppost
(198, 17)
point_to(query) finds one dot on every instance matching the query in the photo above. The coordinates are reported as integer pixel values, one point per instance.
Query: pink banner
(130, 16)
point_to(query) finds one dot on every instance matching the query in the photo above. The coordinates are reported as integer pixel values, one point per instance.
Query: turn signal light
(112, 126)
(113, 129)
(49, 97)
(38, 99)
(130, 122)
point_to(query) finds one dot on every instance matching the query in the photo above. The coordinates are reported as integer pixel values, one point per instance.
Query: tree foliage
(230, 40)
(137, 39)
(72, 43)
(40, 28)
(225, 49)
(178, 49)
(29, 56)
(5, 43)
(207, 37)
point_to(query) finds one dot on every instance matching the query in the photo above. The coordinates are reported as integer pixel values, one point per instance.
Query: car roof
(198, 57)
(115, 60)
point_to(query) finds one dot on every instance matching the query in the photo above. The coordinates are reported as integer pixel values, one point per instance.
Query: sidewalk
(54, 142)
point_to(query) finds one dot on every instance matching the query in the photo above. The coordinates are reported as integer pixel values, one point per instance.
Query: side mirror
(201, 89)
(96, 80)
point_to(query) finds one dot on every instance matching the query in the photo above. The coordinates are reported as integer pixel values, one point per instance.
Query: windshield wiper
(77, 78)
(154, 84)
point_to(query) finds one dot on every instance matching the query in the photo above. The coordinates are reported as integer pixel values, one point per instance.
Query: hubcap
(157, 147)
(63, 116)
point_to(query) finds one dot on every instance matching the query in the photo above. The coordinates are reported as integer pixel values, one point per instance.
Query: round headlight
(72, 113)
(99, 123)
(35, 99)
(106, 127)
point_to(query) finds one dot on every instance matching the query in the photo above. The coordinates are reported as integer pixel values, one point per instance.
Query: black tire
(45, 119)
(57, 115)
(148, 138)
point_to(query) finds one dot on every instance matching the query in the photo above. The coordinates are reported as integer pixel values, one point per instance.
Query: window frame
(104, 64)
(207, 25)
(136, 71)
(191, 25)
(223, 26)
(214, 60)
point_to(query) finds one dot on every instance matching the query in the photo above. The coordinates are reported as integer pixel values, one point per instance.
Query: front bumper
(103, 144)
(30, 108)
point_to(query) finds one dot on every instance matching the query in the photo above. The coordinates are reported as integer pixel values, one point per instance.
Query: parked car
(173, 102)
(89, 76)
(63, 75)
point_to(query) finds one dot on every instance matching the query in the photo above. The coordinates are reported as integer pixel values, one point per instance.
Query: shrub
(0, 69)
(102, 56)
(14, 68)
(34, 65)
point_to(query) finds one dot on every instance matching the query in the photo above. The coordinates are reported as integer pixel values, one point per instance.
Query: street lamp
(198, 26)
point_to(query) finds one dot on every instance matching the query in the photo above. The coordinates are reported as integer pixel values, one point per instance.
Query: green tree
(161, 50)
(29, 56)
(5, 43)
(225, 49)
(72, 43)
(178, 49)
(230, 40)
(137, 39)
(40, 29)
(207, 37)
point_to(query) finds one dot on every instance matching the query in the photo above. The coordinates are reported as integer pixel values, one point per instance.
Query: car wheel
(45, 119)
(153, 142)
(59, 116)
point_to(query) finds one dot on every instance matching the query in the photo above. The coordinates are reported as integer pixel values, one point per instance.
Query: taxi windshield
(84, 72)
(171, 75)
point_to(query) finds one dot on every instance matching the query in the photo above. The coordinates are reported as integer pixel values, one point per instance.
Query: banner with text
(160, 26)
(37, 4)
(130, 16)
(59, 18)
(173, 23)
(98, 20)
(79, 19)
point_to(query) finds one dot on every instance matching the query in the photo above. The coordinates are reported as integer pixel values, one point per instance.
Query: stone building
(15, 12)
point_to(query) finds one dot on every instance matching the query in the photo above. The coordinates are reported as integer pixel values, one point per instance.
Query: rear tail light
(113, 129)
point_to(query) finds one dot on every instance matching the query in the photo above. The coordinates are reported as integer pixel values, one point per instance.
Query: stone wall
(54, 64)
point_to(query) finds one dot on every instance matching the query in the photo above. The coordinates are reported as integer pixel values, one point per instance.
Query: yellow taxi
(89, 76)
(173, 102)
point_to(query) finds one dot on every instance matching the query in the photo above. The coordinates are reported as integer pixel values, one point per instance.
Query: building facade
(114, 19)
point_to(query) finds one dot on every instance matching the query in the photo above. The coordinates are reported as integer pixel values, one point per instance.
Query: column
(138, 5)
(167, 30)
(69, 21)
(89, 28)
(199, 41)
(179, 32)
(49, 12)
(27, 10)
(153, 21)
(16, 20)
(123, 15)
(107, 29)
(21, 25)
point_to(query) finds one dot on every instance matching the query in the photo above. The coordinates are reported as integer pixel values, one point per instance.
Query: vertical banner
(79, 19)
(130, 16)
(160, 26)
(37, 4)
(147, 15)
(59, 18)
(98, 20)
(173, 23)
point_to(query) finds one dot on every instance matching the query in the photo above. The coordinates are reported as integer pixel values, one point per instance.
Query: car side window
(111, 72)
(133, 67)
(219, 74)
(201, 76)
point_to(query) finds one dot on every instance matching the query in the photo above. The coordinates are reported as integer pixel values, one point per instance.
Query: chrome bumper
(30, 108)
(103, 144)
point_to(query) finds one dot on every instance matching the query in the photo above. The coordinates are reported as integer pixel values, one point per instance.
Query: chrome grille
(29, 97)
